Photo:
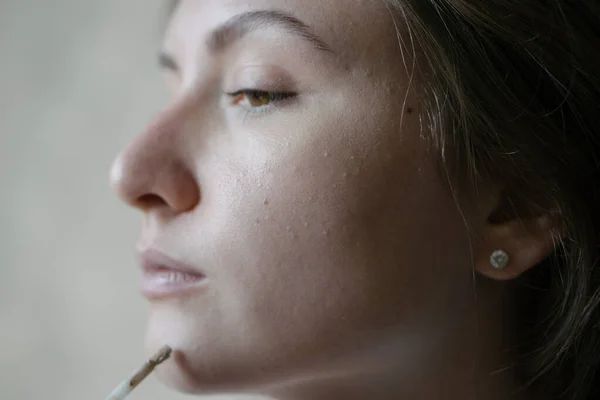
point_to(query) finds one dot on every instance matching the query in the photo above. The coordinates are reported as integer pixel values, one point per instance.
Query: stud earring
(499, 259)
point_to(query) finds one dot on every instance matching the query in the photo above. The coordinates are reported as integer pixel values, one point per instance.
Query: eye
(255, 99)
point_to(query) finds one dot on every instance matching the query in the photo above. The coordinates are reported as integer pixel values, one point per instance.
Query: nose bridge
(152, 170)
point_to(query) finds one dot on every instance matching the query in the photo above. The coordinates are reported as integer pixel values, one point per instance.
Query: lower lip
(163, 283)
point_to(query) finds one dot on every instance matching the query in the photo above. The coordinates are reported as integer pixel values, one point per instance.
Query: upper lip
(152, 260)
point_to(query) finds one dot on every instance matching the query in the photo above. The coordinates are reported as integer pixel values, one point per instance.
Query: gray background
(77, 81)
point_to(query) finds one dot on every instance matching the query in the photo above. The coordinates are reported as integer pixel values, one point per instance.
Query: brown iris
(255, 98)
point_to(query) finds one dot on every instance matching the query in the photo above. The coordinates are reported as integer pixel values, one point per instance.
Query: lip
(163, 276)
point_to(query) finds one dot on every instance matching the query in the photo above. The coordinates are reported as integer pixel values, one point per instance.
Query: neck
(467, 359)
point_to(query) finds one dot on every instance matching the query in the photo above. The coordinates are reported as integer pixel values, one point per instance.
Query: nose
(152, 171)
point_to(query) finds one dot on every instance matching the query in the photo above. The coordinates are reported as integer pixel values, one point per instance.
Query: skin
(338, 263)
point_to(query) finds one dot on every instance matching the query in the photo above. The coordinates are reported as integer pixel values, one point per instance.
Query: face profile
(300, 237)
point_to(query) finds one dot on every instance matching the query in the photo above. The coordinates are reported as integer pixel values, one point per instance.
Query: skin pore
(291, 168)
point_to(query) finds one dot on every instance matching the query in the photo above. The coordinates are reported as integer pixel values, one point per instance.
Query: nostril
(149, 201)
(148, 176)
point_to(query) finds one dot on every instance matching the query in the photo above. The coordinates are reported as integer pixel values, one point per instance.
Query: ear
(527, 239)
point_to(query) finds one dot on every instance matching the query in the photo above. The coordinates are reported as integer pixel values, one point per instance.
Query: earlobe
(510, 248)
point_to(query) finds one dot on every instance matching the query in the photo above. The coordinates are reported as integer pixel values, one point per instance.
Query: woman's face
(312, 209)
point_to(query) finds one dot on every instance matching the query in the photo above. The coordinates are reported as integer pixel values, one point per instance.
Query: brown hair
(513, 95)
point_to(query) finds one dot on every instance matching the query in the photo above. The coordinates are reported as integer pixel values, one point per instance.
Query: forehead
(350, 27)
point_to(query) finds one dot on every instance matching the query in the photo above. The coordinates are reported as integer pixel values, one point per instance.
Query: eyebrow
(240, 25)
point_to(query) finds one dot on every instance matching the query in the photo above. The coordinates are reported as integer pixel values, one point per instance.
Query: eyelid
(276, 96)
(252, 90)
(268, 78)
(277, 99)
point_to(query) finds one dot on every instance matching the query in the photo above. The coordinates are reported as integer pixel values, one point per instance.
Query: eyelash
(274, 98)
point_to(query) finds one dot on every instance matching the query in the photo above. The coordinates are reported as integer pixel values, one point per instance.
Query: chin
(173, 373)
(209, 358)
(169, 326)
(186, 371)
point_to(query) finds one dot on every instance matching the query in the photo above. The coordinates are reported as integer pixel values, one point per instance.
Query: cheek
(334, 225)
